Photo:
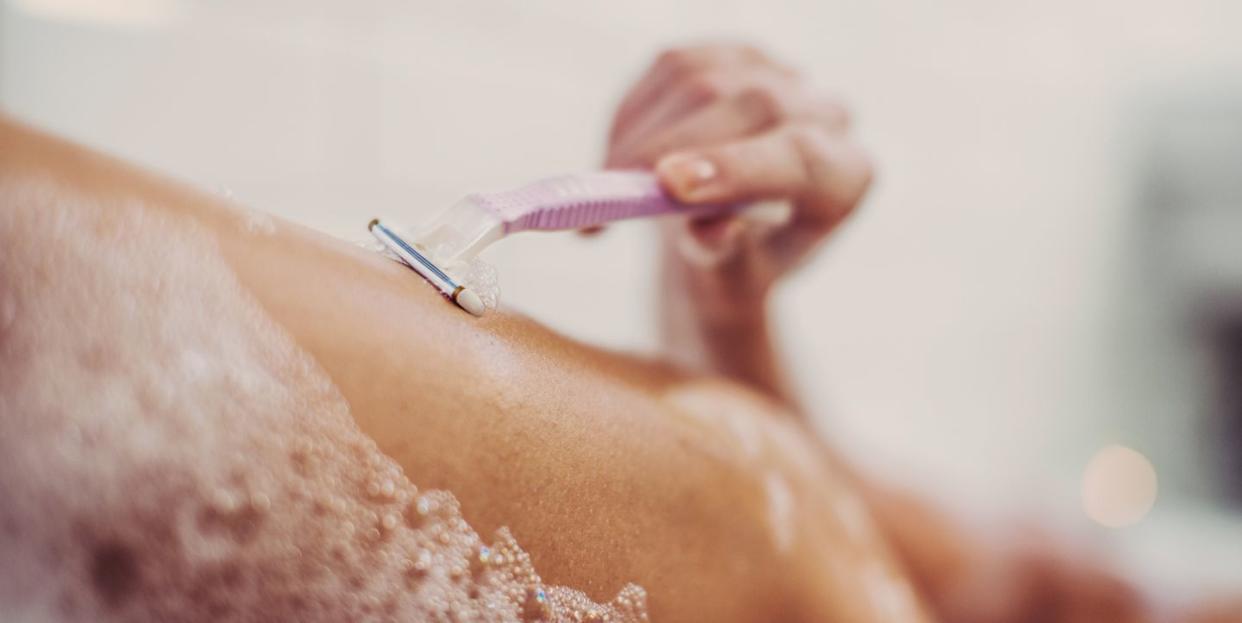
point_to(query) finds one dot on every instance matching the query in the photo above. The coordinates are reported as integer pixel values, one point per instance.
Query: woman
(183, 380)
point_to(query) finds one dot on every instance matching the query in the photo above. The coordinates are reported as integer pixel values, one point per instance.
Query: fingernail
(686, 175)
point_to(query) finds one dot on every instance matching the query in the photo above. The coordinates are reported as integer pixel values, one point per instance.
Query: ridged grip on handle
(584, 200)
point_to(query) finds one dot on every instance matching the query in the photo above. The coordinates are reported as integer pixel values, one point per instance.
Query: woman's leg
(607, 470)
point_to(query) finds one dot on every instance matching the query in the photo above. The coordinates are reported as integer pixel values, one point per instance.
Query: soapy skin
(608, 471)
(192, 428)
(168, 453)
(205, 355)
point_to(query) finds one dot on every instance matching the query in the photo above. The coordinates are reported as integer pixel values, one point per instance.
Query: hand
(726, 124)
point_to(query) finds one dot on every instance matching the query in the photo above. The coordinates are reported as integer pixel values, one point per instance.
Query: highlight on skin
(168, 453)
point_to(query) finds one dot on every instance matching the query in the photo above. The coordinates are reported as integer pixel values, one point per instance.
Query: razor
(567, 202)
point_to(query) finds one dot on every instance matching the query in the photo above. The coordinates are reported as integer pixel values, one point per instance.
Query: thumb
(827, 174)
(689, 177)
(768, 166)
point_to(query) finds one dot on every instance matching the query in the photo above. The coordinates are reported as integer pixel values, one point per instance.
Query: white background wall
(956, 334)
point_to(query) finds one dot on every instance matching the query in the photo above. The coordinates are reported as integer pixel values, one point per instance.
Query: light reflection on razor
(459, 294)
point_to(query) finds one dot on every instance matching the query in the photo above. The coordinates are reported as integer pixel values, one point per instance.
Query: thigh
(607, 469)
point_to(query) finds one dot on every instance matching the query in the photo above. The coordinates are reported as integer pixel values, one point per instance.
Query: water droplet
(390, 522)
(535, 606)
(260, 502)
(382, 490)
(225, 502)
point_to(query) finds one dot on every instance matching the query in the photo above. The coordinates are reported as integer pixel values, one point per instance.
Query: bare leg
(167, 452)
(608, 470)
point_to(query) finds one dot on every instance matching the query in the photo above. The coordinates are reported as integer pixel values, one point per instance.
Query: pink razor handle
(584, 200)
(566, 202)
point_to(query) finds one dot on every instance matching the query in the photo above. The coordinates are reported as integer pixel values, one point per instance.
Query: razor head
(459, 233)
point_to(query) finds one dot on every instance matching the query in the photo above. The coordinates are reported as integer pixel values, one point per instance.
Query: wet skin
(608, 469)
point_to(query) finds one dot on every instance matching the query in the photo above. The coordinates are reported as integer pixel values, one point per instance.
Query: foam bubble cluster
(480, 277)
(168, 453)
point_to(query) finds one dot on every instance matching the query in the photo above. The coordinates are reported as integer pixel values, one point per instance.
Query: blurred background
(1037, 312)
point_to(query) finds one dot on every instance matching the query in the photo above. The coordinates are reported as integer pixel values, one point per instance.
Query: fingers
(726, 124)
(680, 83)
(672, 67)
(824, 173)
(709, 242)
(677, 102)
(765, 102)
